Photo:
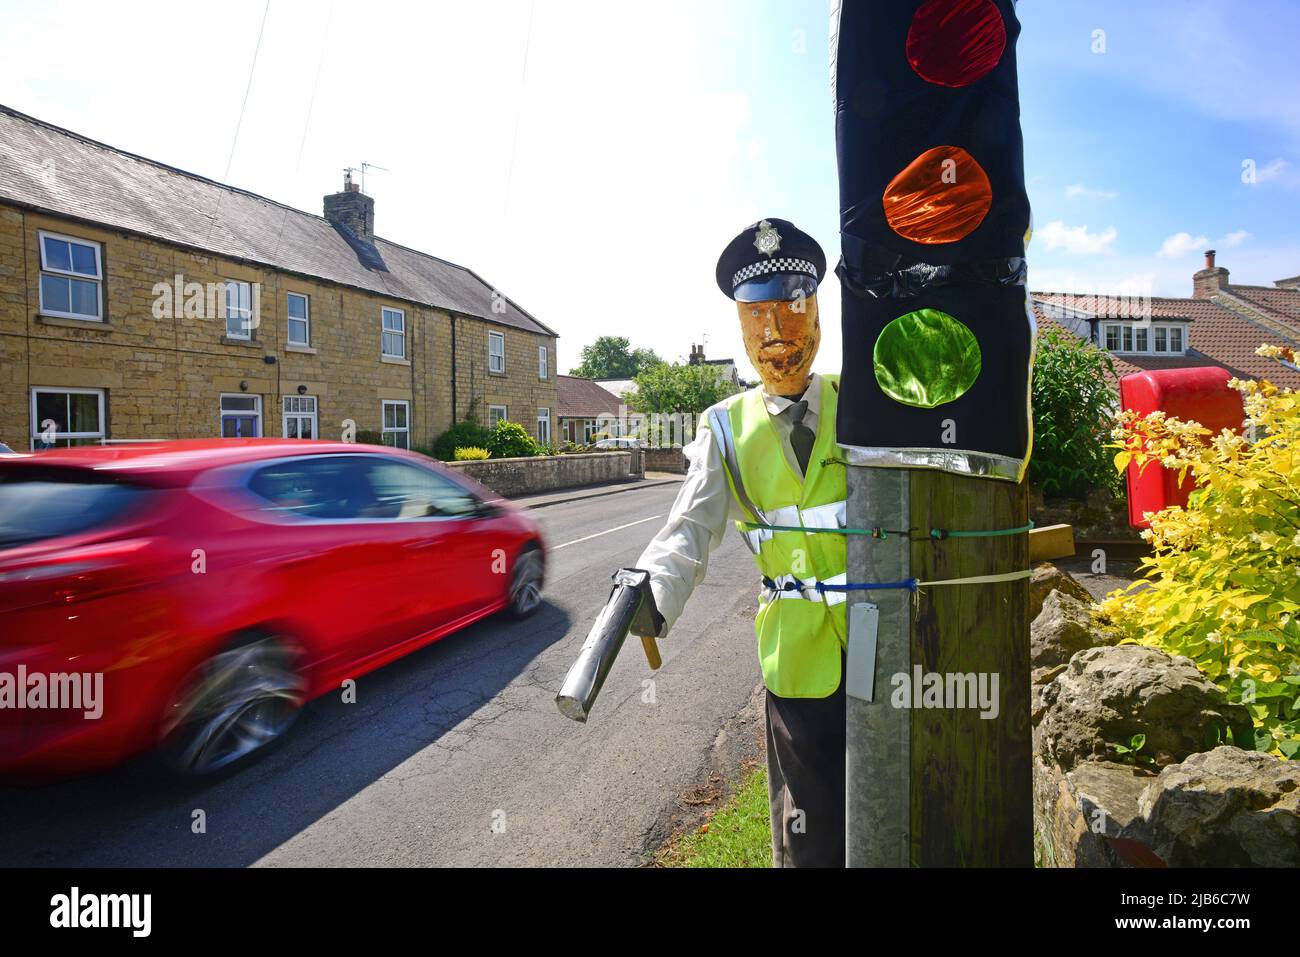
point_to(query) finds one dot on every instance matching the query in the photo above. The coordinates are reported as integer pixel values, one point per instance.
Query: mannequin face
(781, 340)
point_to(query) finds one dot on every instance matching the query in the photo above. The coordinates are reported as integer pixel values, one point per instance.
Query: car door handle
(422, 545)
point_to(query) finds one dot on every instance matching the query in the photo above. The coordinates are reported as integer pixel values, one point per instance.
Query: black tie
(801, 437)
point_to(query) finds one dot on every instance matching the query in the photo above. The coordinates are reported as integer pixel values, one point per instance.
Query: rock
(1083, 818)
(1106, 695)
(1225, 808)
(1047, 578)
(1063, 628)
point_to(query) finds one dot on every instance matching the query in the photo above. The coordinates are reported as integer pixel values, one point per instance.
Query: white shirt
(678, 557)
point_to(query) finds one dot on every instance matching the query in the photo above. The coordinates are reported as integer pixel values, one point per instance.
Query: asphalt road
(455, 755)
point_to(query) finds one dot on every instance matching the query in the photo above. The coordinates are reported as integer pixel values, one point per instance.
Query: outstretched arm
(678, 557)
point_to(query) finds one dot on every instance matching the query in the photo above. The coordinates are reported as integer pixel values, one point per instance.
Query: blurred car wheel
(526, 583)
(234, 704)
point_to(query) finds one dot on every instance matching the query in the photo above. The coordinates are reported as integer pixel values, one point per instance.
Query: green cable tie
(940, 533)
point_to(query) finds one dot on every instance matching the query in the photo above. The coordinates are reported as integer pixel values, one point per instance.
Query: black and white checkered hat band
(763, 267)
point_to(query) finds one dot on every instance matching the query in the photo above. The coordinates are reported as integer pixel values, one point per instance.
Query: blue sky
(637, 139)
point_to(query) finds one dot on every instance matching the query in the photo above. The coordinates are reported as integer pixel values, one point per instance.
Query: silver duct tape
(957, 461)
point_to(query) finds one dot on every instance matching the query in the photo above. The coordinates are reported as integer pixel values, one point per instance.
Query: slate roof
(1216, 336)
(52, 170)
(583, 398)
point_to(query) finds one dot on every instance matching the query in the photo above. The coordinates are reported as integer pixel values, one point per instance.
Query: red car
(210, 588)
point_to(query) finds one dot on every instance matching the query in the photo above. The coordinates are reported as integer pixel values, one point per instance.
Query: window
(298, 309)
(39, 504)
(241, 416)
(394, 333)
(496, 413)
(66, 417)
(300, 417)
(396, 424)
(1147, 337)
(404, 491)
(315, 487)
(71, 274)
(239, 310)
(544, 426)
(496, 352)
(588, 431)
(543, 358)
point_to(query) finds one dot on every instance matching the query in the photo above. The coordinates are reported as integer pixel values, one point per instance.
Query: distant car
(624, 442)
(218, 585)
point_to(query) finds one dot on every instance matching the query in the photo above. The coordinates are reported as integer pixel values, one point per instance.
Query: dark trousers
(805, 779)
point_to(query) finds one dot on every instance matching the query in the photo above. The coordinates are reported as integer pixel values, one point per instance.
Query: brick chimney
(1207, 282)
(352, 209)
(697, 354)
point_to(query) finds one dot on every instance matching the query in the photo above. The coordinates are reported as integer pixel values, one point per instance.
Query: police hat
(772, 259)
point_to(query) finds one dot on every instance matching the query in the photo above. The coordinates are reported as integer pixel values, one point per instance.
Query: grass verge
(738, 834)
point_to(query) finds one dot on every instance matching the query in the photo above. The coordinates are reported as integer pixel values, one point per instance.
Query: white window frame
(256, 412)
(497, 337)
(544, 424)
(385, 332)
(543, 362)
(504, 416)
(1127, 335)
(97, 279)
(286, 414)
(59, 436)
(239, 311)
(383, 422)
(290, 320)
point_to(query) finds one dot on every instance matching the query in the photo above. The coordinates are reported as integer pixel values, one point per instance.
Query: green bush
(461, 435)
(1221, 587)
(1074, 411)
(511, 440)
(471, 453)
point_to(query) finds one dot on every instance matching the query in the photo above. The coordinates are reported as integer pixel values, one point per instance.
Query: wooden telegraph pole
(935, 432)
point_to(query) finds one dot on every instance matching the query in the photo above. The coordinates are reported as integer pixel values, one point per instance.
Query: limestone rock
(1062, 628)
(1106, 695)
(1048, 578)
(1225, 808)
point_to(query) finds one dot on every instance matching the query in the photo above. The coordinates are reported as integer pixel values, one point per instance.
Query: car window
(36, 506)
(405, 491)
(322, 487)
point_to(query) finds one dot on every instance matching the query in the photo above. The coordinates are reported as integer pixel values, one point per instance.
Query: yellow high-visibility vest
(801, 632)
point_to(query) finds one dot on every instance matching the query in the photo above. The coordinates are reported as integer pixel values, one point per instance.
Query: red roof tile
(582, 398)
(1216, 335)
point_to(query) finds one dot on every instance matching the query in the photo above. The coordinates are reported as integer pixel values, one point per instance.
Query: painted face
(781, 340)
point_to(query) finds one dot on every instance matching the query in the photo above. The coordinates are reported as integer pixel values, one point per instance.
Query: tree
(612, 357)
(1074, 411)
(679, 388)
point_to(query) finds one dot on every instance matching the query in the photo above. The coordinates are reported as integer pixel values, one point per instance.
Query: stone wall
(543, 473)
(665, 460)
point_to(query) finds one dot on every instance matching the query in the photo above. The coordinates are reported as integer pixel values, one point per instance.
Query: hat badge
(767, 240)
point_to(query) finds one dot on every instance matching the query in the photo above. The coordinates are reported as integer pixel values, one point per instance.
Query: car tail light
(77, 574)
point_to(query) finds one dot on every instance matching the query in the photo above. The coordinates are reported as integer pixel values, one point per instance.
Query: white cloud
(1234, 239)
(1079, 191)
(1270, 170)
(1181, 244)
(1076, 240)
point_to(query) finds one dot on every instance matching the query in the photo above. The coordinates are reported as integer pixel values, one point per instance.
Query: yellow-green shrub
(471, 453)
(1223, 584)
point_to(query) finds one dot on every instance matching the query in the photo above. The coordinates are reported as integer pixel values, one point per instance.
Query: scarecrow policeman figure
(762, 458)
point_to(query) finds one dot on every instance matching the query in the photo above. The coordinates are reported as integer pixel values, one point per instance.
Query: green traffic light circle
(926, 358)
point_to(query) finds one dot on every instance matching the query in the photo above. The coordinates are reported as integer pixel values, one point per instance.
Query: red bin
(1201, 394)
